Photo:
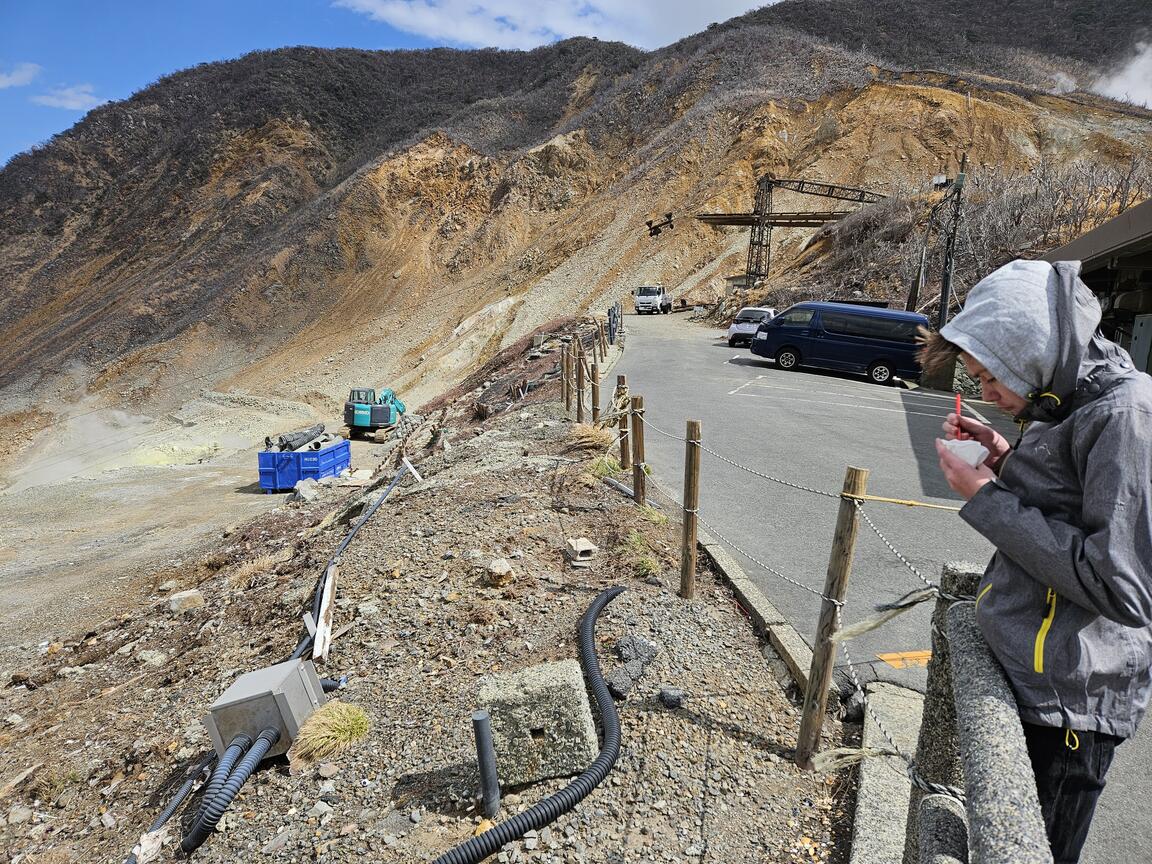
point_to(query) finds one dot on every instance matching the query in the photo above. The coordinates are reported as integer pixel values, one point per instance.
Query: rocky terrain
(99, 726)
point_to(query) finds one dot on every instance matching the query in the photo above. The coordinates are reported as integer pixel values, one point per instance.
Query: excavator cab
(370, 414)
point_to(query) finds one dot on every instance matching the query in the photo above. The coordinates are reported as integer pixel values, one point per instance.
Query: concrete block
(943, 831)
(1005, 825)
(541, 722)
(580, 550)
(882, 799)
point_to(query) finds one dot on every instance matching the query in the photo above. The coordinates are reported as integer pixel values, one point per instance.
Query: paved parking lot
(806, 427)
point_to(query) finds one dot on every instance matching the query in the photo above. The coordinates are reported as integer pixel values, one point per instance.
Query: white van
(652, 298)
(747, 321)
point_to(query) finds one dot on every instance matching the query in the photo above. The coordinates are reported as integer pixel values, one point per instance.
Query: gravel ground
(112, 717)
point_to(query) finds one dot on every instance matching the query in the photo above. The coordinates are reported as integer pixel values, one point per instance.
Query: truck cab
(652, 298)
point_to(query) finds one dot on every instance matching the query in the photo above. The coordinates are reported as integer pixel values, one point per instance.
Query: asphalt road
(806, 428)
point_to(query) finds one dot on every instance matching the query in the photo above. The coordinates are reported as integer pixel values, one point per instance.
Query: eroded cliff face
(263, 268)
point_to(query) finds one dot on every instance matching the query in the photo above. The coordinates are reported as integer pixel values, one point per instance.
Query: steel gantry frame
(762, 218)
(760, 243)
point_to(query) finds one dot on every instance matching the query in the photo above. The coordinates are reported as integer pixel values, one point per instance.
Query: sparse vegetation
(332, 728)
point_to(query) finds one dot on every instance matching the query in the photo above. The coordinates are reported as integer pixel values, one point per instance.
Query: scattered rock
(19, 814)
(182, 601)
(415, 816)
(107, 820)
(306, 490)
(277, 843)
(328, 770)
(170, 585)
(500, 573)
(320, 809)
(156, 659)
(672, 697)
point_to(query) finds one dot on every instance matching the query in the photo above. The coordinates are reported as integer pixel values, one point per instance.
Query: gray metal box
(1142, 343)
(281, 696)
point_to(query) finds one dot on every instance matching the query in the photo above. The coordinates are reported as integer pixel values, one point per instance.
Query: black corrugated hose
(554, 806)
(211, 812)
(236, 748)
(201, 767)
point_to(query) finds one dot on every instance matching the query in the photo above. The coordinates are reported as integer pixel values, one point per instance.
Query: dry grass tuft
(243, 575)
(331, 729)
(589, 439)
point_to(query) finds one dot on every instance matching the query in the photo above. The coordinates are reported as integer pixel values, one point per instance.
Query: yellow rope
(901, 501)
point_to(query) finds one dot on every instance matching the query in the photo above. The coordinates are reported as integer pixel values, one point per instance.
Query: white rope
(911, 768)
(649, 425)
(712, 529)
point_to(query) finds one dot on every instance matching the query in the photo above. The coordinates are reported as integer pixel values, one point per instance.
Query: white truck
(652, 298)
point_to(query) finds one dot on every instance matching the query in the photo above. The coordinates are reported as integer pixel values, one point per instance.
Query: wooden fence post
(639, 478)
(625, 442)
(835, 587)
(565, 382)
(595, 393)
(580, 388)
(691, 506)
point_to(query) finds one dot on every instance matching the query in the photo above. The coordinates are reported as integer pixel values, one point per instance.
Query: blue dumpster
(280, 471)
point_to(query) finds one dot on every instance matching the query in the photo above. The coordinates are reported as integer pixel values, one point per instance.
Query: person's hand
(996, 443)
(964, 480)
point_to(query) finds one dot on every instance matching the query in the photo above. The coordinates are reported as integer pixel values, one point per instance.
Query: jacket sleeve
(1105, 565)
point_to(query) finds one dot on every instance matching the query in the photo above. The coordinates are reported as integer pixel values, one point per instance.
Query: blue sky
(60, 58)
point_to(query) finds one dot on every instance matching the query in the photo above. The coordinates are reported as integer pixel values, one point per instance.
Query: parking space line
(842, 404)
(741, 387)
(895, 400)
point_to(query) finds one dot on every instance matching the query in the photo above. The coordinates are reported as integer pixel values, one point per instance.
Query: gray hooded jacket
(1066, 601)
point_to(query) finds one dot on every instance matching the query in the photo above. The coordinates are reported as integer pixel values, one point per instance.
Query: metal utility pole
(957, 194)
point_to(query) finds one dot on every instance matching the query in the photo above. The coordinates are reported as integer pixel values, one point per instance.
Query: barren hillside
(299, 221)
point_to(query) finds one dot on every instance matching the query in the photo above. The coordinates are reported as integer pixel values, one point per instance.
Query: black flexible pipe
(486, 762)
(305, 644)
(237, 747)
(178, 799)
(554, 806)
(206, 823)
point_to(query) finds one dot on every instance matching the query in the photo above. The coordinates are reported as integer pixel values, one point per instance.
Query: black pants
(1070, 769)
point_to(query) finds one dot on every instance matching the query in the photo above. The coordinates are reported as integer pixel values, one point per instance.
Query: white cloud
(516, 24)
(78, 97)
(1132, 81)
(21, 74)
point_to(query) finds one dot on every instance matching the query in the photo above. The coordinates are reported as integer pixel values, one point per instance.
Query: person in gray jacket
(1066, 602)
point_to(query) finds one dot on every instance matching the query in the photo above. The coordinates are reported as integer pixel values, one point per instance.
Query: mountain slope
(296, 221)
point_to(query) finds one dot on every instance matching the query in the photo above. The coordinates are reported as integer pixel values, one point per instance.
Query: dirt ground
(100, 725)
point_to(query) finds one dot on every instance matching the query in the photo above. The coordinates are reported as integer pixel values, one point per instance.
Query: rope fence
(626, 411)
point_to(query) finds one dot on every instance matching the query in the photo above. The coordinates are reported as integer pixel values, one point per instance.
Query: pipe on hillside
(209, 817)
(486, 760)
(554, 806)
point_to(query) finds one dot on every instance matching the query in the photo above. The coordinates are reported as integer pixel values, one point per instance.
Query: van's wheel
(731, 343)
(787, 358)
(881, 373)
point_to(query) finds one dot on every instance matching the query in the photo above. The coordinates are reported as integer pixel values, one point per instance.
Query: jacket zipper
(1045, 626)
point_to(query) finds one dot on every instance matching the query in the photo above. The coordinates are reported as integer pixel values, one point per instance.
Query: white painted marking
(894, 400)
(741, 387)
(976, 413)
(841, 404)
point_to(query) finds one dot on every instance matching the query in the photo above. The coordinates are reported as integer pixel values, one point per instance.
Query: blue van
(880, 343)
